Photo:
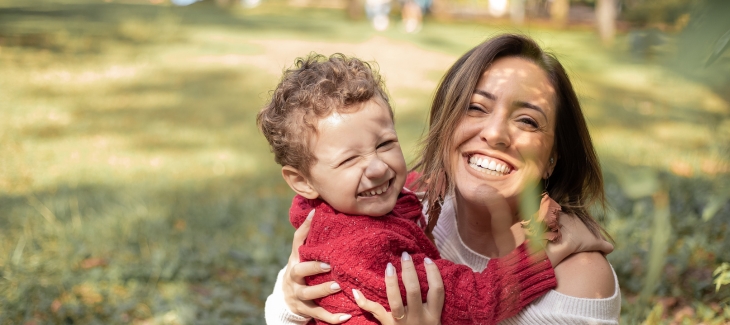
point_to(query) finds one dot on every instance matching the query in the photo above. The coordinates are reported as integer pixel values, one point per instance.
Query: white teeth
(376, 191)
(488, 166)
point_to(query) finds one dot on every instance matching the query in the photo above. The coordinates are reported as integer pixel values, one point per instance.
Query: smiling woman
(507, 102)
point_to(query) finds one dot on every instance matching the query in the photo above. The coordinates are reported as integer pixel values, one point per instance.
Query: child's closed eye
(385, 145)
(347, 161)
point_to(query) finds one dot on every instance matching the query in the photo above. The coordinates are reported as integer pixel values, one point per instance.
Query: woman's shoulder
(585, 275)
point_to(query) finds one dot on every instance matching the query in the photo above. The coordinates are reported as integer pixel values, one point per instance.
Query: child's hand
(575, 237)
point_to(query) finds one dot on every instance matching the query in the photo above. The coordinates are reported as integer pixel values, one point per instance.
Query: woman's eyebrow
(485, 94)
(522, 104)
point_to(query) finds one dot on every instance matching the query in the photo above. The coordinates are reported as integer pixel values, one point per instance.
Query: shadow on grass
(50, 24)
(162, 110)
(204, 252)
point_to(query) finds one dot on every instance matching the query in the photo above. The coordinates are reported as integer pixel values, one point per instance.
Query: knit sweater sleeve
(502, 290)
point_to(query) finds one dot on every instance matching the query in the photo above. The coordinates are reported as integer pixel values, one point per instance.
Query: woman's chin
(475, 185)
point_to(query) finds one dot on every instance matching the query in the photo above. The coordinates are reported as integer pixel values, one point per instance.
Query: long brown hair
(576, 182)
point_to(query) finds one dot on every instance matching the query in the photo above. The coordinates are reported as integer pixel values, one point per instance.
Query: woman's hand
(297, 294)
(416, 312)
(576, 238)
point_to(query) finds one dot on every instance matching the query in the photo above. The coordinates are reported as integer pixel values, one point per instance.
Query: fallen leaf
(93, 262)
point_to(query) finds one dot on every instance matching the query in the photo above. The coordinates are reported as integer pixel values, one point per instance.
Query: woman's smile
(489, 165)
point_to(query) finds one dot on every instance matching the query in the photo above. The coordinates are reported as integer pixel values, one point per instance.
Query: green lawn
(135, 187)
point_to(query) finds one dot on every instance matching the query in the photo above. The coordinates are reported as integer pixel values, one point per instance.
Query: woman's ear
(552, 161)
(298, 182)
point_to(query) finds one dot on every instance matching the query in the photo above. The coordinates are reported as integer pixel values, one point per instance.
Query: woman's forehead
(517, 77)
(508, 69)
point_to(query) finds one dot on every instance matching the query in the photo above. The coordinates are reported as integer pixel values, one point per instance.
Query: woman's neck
(490, 234)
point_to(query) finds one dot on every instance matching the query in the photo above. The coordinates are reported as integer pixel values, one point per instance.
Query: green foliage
(722, 275)
(658, 12)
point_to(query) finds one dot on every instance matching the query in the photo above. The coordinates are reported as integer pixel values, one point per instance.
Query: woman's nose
(495, 132)
(376, 167)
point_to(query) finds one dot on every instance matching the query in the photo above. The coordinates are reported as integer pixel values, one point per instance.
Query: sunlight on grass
(136, 187)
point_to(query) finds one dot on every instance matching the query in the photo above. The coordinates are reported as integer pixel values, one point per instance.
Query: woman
(504, 102)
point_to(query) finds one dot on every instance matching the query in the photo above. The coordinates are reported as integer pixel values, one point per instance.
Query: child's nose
(376, 167)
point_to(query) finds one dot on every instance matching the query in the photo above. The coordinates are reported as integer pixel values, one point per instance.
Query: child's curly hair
(316, 87)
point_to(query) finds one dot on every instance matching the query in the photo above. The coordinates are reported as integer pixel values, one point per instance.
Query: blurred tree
(559, 10)
(517, 11)
(658, 13)
(606, 20)
(355, 9)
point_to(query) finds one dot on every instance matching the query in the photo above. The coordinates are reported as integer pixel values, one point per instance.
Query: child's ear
(298, 182)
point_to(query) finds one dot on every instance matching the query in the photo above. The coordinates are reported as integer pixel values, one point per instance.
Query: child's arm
(503, 289)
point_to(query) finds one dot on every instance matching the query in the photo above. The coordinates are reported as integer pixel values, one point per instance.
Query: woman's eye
(528, 121)
(477, 110)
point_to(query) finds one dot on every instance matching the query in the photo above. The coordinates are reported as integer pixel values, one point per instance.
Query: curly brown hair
(314, 88)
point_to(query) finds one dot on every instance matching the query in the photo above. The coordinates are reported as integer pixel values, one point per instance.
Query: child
(330, 126)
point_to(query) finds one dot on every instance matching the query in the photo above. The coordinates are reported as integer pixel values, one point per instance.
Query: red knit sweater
(359, 247)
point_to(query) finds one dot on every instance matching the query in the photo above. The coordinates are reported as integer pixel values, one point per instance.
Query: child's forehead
(345, 119)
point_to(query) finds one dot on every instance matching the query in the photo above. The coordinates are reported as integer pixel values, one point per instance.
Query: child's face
(360, 167)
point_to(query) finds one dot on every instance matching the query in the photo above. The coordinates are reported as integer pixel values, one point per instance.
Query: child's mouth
(376, 190)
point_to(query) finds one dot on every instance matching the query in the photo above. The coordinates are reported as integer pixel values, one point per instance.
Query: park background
(136, 189)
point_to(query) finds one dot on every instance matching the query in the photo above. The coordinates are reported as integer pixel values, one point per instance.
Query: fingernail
(345, 317)
(354, 293)
(405, 256)
(427, 260)
(310, 215)
(324, 266)
(335, 286)
(389, 270)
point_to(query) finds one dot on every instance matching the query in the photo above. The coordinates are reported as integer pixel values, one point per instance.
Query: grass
(135, 187)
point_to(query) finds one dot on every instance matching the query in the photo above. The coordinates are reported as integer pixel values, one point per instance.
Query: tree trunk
(355, 9)
(517, 11)
(606, 20)
(440, 9)
(559, 12)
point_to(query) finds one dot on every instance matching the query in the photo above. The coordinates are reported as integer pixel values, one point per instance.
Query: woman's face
(505, 140)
